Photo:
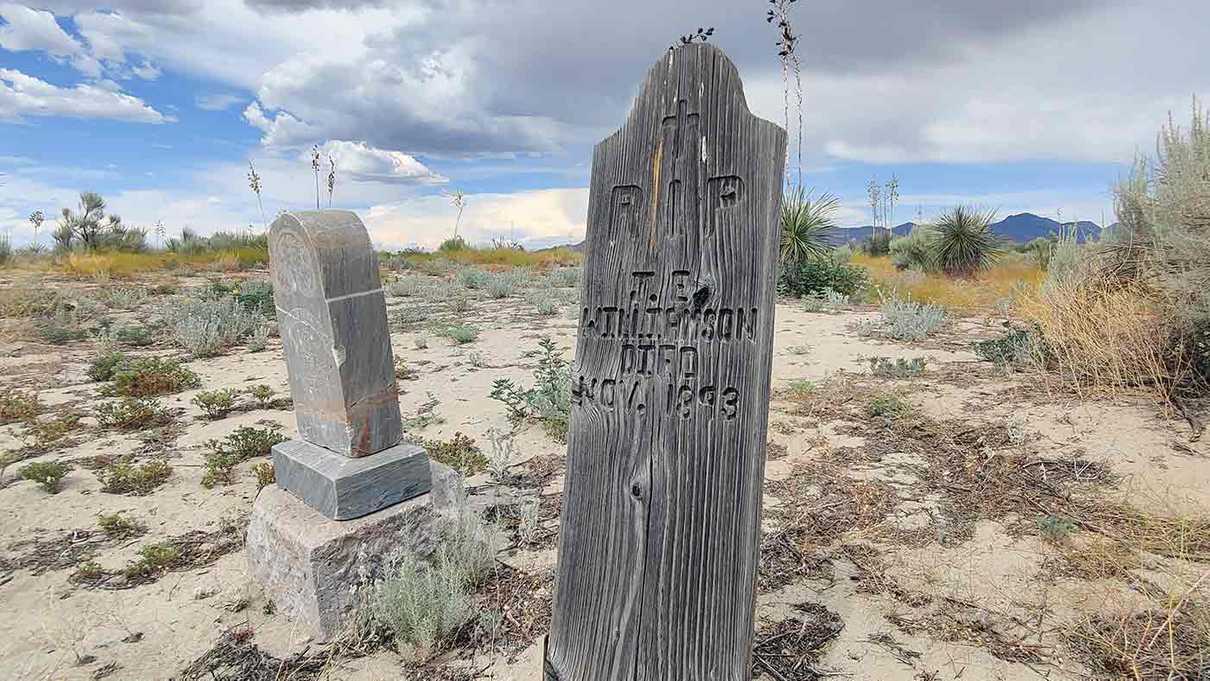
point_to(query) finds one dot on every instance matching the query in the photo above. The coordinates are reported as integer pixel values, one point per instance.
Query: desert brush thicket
(1133, 310)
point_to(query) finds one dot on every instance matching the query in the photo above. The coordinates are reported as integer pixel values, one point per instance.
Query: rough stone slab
(342, 488)
(311, 567)
(331, 311)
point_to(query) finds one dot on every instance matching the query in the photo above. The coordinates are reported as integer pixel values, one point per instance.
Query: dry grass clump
(1167, 642)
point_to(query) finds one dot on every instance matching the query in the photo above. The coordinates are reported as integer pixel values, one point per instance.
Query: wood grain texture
(666, 451)
(331, 312)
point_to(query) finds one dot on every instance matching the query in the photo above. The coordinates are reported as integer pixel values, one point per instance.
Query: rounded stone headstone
(331, 311)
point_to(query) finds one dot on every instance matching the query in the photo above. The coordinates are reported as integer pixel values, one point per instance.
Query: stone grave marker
(331, 311)
(666, 449)
(349, 493)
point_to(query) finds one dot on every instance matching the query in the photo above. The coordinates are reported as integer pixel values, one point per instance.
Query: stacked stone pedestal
(349, 493)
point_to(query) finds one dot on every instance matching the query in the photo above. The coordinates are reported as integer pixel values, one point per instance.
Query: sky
(160, 105)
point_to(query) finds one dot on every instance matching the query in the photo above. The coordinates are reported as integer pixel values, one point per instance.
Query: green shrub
(43, 435)
(125, 477)
(205, 327)
(549, 400)
(150, 376)
(215, 403)
(409, 317)
(565, 277)
(256, 296)
(103, 366)
(153, 559)
(473, 278)
(118, 526)
(906, 320)
(915, 251)
(262, 394)
(878, 244)
(1016, 348)
(245, 443)
(48, 474)
(462, 334)
(265, 474)
(884, 367)
(459, 452)
(133, 336)
(18, 405)
(424, 604)
(816, 275)
(888, 405)
(965, 243)
(132, 413)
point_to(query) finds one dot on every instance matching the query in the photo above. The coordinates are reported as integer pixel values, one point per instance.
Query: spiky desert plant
(965, 243)
(458, 201)
(36, 219)
(806, 221)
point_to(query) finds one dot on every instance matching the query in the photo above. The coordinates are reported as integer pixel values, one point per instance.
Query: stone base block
(343, 488)
(311, 567)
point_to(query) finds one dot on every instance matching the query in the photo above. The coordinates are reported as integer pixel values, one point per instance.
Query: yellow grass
(102, 266)
(1012, 274)
(503, 257)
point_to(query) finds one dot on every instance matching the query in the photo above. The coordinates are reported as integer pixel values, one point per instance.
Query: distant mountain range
(1020, 228)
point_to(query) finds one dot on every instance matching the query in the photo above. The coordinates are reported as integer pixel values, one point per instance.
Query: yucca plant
(965, 243)
(806, 221)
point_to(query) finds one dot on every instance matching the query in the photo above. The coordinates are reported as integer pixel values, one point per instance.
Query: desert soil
(884, 557)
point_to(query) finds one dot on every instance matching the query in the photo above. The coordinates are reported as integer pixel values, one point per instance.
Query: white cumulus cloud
(22, 95)
(362, 162)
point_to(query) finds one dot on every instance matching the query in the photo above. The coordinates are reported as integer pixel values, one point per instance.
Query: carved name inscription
(670, 386)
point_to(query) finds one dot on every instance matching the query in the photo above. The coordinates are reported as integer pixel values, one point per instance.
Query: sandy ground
(52, 628)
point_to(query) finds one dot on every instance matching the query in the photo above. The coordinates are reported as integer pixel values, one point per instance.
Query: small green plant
(262, 395)
(503, 454)
(132, 413)
(118, 526)
(153, 559)
(459, 452)
(215, 403)
(133, 336)
(103, 366)
(1055, 529)
(900, 367)
(42, 435)
(404, 287)
(403, 372)
(888, 405)
(1016, 348)
(245, 442)
(426, 414)
(503, 284)
(48, 474)
(151, 376)
(906, 320)
(125, 477)
(800, 387)
(549, 400)
(256, 296)
(409, 317)
(206, 326)
(265, 474)
(462, 334)
(423, 604)
(88, 571)
(814, 275)
(18, 405)
(565, 277)
(472, 278)
(60, 329)
(459, 304)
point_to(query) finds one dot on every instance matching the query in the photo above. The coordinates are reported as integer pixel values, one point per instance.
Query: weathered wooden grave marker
(666, 452)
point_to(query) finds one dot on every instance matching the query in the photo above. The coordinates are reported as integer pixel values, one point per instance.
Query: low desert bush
(1016, 349)
(150, 376)
(103, 366)
(826, 300)
(423, 603)
(126, 477)
(131, 413)
(473, 278)
(900, 367)
(459, 452)
(504, 284)
(48, 474)
(118, 526)
(18, 405)
(244, 443)
(265, 474)
(215, 403)
(462, 334)
(888, 405)
(549, 400)
(405, 287)
(906, 320)
(43, 435)
(153, 559)
(916, 251)
(564, 277)
(205, 327)
(814, 275)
